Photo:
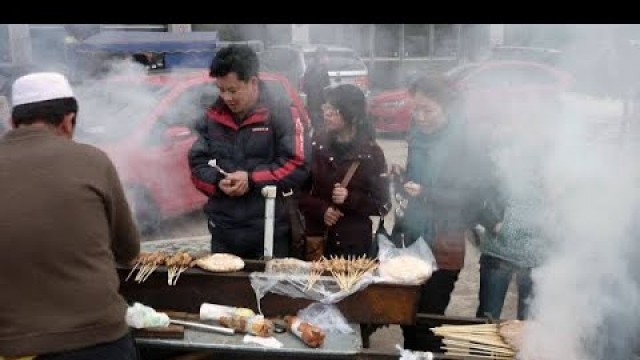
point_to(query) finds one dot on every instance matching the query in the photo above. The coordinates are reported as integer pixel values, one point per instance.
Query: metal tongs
(201, 326)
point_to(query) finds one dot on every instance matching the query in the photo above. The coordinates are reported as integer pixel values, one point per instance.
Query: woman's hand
(412, 188)
(332, 215)
(339, 194)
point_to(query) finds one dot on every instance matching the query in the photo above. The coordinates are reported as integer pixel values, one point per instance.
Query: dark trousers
(121, 349)
(435, 295)
(248, 243)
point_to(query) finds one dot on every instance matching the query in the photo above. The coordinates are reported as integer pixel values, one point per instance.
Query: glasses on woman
(329, 110)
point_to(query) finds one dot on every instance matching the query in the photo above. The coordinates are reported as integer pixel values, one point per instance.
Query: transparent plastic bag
(327, 317)
(325, 290)
(141, 316)
(414, 355)
(413, 264)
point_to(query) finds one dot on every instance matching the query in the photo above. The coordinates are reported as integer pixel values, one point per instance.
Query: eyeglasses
(329, 110)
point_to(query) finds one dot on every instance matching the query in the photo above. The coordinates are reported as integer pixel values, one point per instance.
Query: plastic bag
(325, 290)
(140, 316)
(326, 317)
(413, 264)
(414, 355)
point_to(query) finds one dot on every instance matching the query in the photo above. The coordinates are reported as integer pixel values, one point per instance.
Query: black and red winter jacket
(270, 143)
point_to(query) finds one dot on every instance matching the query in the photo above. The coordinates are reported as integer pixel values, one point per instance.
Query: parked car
(292, 60)
(525, 53)
(492, 90)
(146, 124)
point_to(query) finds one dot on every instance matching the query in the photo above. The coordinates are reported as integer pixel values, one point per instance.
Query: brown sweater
(64, 223)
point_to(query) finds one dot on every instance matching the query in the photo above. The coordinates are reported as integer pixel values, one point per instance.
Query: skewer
(153, 268)
(142, 272)
(490, 348)
(132, 270)
(474, 356)
(180, 271)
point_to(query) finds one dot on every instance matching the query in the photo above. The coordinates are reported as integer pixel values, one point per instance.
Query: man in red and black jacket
(248, 140)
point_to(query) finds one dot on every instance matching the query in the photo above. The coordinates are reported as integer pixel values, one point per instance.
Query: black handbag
(380, 231)
(297, 243)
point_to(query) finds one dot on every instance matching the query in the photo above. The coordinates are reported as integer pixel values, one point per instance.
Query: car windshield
(340, 60)
(114, 108)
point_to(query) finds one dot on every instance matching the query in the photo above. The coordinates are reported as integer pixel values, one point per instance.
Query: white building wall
(300, 33)
(496, 34)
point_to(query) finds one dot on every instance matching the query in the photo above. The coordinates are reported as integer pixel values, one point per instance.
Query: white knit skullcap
(40, 86)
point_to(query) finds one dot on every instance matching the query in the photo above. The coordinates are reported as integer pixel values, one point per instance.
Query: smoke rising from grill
(587, 298)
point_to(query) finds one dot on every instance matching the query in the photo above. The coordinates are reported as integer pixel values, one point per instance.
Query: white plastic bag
(141, 316)
(326, 317)
(412, 265)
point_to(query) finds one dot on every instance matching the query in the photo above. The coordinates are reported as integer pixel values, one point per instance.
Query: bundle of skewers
(346, 271)
(176, 265)
(147, 263)
(482, 341)
(315, 271)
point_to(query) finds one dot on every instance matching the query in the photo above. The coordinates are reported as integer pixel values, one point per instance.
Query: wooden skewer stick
(141, 272)
(153, 268)
(132, 270)
(170, 274)
(182, 269)
(484, 347)
(474, 356)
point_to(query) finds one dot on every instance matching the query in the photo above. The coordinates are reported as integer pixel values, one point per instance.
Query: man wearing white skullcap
(64, 223)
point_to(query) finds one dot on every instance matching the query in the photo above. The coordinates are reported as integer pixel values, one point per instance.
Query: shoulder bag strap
(347, 177)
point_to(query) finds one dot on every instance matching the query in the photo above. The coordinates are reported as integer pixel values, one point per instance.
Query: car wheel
(145, 211)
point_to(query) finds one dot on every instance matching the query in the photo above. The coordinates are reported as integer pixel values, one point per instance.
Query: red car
(146, 124)
(494, 89)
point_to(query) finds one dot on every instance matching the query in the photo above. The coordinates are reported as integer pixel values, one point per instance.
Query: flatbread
(405, 269)
(221, 262)
(291, 266)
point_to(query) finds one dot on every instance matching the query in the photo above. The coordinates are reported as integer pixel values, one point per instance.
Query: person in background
(65, 223)
(248, 140)
(343, 213)
(440, 194)
(315, 80)
(512, 240)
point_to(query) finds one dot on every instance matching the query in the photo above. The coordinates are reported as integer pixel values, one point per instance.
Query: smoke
(586, 296)
(573, 176)
(122, 114)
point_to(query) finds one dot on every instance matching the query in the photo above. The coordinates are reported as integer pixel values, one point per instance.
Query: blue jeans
(495, 276)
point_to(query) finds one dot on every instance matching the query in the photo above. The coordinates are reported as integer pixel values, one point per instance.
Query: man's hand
(412, 188)
(235, 184)
(332, 215)
(339, 194)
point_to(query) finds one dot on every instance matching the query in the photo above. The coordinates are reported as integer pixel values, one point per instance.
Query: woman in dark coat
(442, 194)
(343, 213)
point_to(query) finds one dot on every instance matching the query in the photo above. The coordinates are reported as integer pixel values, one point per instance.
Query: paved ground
(464, 300)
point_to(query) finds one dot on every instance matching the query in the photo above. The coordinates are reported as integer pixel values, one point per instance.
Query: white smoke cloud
(586, 293)
(114, 111)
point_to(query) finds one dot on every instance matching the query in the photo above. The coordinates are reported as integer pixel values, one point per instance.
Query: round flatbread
(405, 269)
(221, 262)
